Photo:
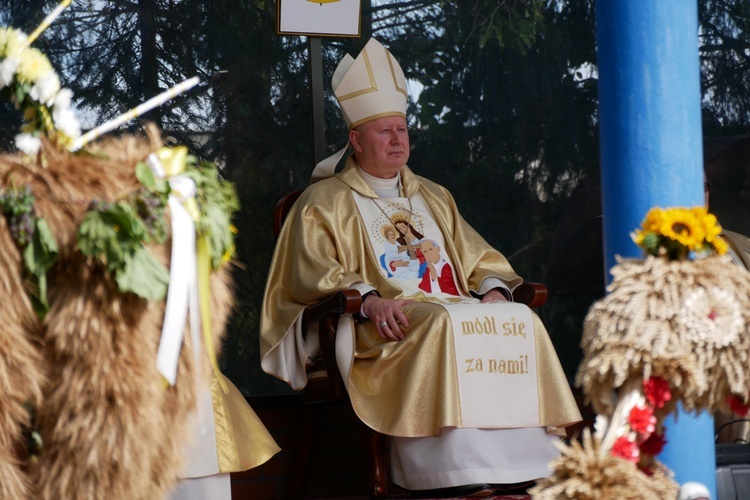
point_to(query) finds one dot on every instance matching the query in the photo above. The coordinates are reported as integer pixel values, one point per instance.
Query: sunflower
(711, 226)
(638, 236)
(719, 245)
(653, 220)
(684, 227)
(675, 232)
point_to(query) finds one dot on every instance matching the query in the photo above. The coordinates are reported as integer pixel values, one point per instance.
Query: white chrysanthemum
(63, 98)
(45, 88)
(8, 70)
(66, 121)
(28, 143)
(34, 65)
(12, 41)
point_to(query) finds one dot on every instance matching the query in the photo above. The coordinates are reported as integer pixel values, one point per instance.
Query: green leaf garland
(34, 238)
(116, 233)
(217, 201)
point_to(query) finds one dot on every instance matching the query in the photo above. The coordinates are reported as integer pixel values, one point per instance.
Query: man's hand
(494, 295)
(387, 315)
(432, 271)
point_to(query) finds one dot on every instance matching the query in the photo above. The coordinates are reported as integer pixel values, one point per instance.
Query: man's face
(381, 147)
(431, 252)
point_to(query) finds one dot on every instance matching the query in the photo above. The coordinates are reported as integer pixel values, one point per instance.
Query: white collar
(385, 188)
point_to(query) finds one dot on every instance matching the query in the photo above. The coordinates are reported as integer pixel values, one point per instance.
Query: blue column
(652, 155)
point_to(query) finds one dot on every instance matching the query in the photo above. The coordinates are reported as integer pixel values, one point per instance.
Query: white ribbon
(182, 294)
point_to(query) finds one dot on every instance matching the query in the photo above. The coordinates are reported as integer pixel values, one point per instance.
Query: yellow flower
(172, 159)
(638, 237)
(699, 211)
(228, 254)
(711, 227)
(720, 245)
(12, 42)
(683, 226)
(653, 220)
(34, 65)
(677, 231)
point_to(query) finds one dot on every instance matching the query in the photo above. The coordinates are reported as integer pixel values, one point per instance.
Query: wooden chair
(325, 382)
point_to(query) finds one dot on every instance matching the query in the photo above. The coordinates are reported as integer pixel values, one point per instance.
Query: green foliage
(217, 202)
(117, 233)
(34, 238)
(508, 122)
(17, 203)
(142, 274)
(38, 257)
(109, 231)
(651, 243)
(114, 233)
(146, 177)
(513, 23)
(725, 74)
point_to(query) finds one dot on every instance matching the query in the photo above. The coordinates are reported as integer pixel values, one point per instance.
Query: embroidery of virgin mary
(468, 386)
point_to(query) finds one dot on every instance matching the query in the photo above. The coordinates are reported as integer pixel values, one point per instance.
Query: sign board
(335, 18)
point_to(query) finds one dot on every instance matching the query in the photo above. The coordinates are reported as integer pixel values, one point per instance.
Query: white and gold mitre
(371, 86)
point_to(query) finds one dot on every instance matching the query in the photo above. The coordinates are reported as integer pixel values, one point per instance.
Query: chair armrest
(341, 302)
(326, 313)
(531, 294)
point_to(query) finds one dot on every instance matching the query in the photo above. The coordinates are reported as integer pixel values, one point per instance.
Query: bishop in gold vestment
(406, 388)
(409, 389)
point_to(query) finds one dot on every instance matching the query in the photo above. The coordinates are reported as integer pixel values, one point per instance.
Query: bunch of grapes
(99, 205)
(18, 207)
(150, 208)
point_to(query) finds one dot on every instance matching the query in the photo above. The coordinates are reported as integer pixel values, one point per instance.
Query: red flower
(657, 391)
(737, 405)
(626, 449)
(653, 445)
(642, 420)
(646, 469)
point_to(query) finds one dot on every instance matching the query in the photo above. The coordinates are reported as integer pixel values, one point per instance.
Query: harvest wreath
(97, 394)
(671, 329)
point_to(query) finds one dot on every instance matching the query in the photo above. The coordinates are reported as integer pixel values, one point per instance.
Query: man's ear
(354, 140)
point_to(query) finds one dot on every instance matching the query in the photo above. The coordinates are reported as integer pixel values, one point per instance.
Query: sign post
(316, 19)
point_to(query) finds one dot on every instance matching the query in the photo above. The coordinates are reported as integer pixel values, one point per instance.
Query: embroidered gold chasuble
(407, 388)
